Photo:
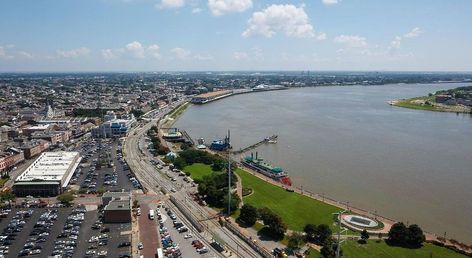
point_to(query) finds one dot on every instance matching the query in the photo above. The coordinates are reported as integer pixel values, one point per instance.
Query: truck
(151, 214)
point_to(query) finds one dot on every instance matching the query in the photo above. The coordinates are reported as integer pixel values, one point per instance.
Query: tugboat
(221, 144)
(258, 165)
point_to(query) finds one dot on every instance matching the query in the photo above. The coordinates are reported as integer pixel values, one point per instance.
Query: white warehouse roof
(51, 166)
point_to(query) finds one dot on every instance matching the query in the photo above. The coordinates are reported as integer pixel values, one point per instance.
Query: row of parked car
(169, 247)
(9, 232)
(66, 241)
(40, 233)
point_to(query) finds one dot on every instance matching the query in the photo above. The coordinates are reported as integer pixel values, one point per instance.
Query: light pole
(229, 174)
(338, 246)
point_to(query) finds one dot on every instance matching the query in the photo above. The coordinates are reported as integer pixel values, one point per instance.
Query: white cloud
(203, 57)
(329, 2)
(136, 49)
(352, 41)
(321, 36)
(25, 55)
(153, 51)
(133, 49)
(74, 53)
(221, 7)
(196, 10)
(240, 56)
(395, 43)
(108, 54)
(180, 53)
(415, 32)
(169, 4)
(289, 19)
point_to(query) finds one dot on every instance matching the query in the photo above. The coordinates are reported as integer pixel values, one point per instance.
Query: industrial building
(211, 96)
(48, 175)
(117, 207)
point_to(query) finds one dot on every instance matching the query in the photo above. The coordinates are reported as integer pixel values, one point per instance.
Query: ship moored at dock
(258, 165)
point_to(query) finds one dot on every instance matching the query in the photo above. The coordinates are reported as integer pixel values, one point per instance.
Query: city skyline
(220, 35)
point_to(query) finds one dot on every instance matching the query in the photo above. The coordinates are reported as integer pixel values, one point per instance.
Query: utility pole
(338, 245)
(229, 174)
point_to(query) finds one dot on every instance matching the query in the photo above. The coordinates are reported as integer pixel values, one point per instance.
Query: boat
(221, 144)
(258, 165)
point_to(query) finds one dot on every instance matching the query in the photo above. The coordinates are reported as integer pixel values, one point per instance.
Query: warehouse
(49, 174)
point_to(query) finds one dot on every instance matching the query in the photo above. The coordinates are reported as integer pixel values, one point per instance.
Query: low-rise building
(34, 147)
(114, 127)
(9, 158)
(48, 175)
(117, 207)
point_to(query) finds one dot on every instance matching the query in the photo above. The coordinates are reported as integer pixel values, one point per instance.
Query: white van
(151, 214)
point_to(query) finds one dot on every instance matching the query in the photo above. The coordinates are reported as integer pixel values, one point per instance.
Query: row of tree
(274, 225)
(153, 135)
(401, 235)
(189, 156)
(214, 190)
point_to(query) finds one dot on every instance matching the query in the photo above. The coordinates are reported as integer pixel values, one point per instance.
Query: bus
(151, 214)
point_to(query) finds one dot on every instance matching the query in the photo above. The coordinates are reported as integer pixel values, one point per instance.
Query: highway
(154, 180)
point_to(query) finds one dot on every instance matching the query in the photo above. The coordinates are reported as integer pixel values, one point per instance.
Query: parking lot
(177, 237)
(103, 170)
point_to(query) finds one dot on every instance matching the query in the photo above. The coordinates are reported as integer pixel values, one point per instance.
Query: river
(346, 142)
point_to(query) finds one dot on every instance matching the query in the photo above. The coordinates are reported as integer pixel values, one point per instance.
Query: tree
(364, 236)
(234, 205)
(323, 234)
(248, 214)
(310, 231)
(295, 241)
(276, 227)
(415, 236)
(66, 198)
(328, 251)
(7, 196)
(398, 234)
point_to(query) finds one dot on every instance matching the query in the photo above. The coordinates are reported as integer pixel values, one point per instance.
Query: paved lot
(147, 232)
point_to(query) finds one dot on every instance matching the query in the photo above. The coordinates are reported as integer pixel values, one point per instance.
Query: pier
(255, 145)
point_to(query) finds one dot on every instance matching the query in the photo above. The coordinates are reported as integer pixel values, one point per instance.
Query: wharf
(257, 144)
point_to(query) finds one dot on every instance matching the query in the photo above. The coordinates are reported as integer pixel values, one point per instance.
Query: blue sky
(167, 35)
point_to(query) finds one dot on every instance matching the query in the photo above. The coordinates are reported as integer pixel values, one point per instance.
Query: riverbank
(322, 165)
(428, 103)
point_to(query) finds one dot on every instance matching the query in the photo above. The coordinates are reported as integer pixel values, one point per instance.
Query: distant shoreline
(427, 103)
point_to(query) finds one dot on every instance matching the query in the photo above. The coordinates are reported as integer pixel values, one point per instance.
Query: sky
(230, 35)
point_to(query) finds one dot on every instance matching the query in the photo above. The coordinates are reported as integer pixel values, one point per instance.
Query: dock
(257, 144)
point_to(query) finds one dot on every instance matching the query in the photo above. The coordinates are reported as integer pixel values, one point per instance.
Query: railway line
(151, 179)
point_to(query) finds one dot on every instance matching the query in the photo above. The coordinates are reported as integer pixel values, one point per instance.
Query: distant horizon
(239, 71)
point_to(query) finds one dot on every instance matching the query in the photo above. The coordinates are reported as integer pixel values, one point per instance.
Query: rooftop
(50, 166)
(213, 94)
(118, 205)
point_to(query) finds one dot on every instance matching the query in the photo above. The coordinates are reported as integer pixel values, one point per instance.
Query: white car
(188, 236)
(140, 246)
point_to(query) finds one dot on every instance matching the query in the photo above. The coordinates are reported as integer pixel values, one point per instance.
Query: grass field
(198, 170)
(373, 249)
(296, 210)
(410, 103)
(3, 181)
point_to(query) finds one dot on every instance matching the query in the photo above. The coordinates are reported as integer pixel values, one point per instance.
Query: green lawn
(295, 209)
(409, 103)
(198, 170)
(314, 254)
(372, 249)
(3, 181)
